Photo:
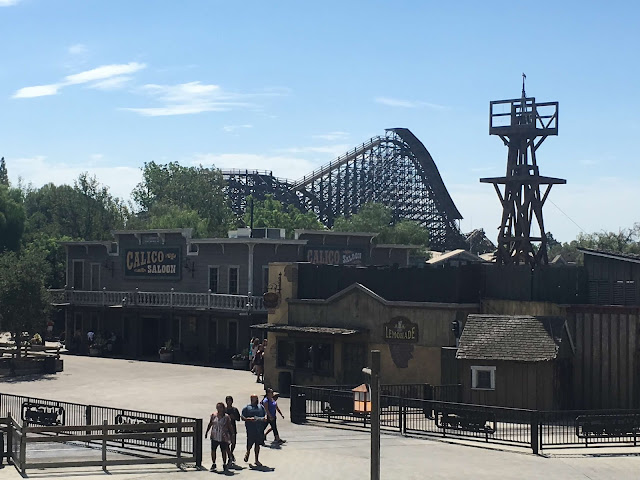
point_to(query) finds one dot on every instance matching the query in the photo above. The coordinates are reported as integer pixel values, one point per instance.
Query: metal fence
(37, 412)
(432, 417)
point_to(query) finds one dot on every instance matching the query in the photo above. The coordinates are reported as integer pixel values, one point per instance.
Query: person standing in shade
(254, 417)
(270, 403)
(254, 350)
(220, 426)
(258, 364)
(234, 415)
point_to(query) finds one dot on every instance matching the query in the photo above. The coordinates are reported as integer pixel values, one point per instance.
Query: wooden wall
(606, 362)
(518, 384)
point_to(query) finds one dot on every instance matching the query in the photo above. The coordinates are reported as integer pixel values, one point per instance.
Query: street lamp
(374, 373)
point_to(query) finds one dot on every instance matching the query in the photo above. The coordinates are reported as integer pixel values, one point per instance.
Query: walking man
(234, 415)
(254, 417)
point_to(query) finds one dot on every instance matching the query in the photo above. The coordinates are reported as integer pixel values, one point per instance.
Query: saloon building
(147, 287)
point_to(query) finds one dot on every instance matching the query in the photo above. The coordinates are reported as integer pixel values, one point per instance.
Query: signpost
(374, 373)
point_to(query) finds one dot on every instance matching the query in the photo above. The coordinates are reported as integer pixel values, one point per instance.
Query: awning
(273, 327)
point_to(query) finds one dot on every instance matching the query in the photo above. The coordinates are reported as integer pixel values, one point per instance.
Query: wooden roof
(511, 337)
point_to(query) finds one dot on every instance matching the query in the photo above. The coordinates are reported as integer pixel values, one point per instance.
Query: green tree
(196, 189)
(270, 213)
(378, 218)
(625, 240)
(84, 211)
(12, 218)
(24, 300)
(4, 175)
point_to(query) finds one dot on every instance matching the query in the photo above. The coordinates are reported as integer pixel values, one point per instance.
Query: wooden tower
(523, 125)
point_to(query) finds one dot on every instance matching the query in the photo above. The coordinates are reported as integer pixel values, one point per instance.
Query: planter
(95, 352)
(240, 364)
(166, 357)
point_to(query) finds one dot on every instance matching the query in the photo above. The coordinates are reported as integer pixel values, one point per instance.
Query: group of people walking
(257, 416)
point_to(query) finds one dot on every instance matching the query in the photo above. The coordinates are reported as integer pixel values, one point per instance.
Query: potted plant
(36, 339)
(98, 345)
(166, 352)
(240, 361)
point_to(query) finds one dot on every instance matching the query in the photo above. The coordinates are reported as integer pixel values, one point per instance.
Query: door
(233, 337)
(354, 359)
(78, 275)
(150, 332)
(95, 276)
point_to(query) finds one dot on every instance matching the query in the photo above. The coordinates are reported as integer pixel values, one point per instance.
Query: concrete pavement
(311, 452)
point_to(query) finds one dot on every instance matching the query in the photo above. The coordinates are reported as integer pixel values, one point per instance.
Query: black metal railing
(432, 417)
(31, 411)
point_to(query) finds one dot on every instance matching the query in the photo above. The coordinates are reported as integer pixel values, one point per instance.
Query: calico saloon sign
(153, 262)
(333, 256)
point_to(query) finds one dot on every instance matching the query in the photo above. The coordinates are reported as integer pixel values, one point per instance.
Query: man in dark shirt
(234, 415)
(254, 417)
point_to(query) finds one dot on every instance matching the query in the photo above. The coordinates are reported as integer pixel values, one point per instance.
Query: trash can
(50, 365)
(284, 383)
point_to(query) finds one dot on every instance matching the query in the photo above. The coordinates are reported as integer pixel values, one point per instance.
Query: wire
(561, 211)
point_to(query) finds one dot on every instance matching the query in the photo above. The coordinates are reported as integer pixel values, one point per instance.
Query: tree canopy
(84, 211)
(625, 240)
(12, 218)
(172, 187)
(24, 300)
(378, 218)
(270, 213)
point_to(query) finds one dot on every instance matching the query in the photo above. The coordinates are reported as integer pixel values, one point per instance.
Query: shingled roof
(511, 337)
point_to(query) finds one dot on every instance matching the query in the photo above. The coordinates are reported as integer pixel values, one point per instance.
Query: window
(483, 378)
(233, 280)
(286, 354)
(265, 278)
(317, 357)
(213, 279)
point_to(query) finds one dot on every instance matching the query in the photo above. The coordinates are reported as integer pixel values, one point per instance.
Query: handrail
(171, 299)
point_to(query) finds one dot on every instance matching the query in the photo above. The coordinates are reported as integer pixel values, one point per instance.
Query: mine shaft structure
(523, 125)
(394, 169)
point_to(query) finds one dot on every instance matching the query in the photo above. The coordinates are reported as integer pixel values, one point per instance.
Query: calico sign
(333, 256)
(152, 262)
(400, 330)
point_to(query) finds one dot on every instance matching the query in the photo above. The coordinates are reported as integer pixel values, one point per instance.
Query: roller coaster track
(395, 169)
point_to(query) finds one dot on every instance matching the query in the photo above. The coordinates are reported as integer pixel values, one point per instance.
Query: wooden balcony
(170, 299)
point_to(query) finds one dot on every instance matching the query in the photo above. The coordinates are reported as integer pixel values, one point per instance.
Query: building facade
(148, 287)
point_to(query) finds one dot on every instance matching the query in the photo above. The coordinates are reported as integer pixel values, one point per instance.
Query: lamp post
(374, 373)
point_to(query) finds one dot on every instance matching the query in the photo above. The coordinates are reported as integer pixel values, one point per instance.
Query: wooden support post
(105, 432)
(23, 451)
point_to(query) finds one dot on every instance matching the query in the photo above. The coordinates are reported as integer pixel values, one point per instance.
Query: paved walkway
(311, 452)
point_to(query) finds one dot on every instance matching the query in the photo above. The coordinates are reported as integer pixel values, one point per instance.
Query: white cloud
(40, 170)
(103, 72)
(111, 83)
(77, 49)
(396, 102)
(234, 128)
(196, 97)
(103, 77)
(331, 136)
(283, 166)
(37, 91)
(8, 3)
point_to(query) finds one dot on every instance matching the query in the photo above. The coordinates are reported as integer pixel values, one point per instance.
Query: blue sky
(103, 86)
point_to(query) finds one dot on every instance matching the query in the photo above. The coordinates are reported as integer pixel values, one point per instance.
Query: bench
(607, 426)
(468, 421)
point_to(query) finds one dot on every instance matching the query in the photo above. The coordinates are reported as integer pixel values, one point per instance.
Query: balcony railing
(170, 299)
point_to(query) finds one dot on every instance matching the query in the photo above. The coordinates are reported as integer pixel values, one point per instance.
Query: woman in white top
(220, 426)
